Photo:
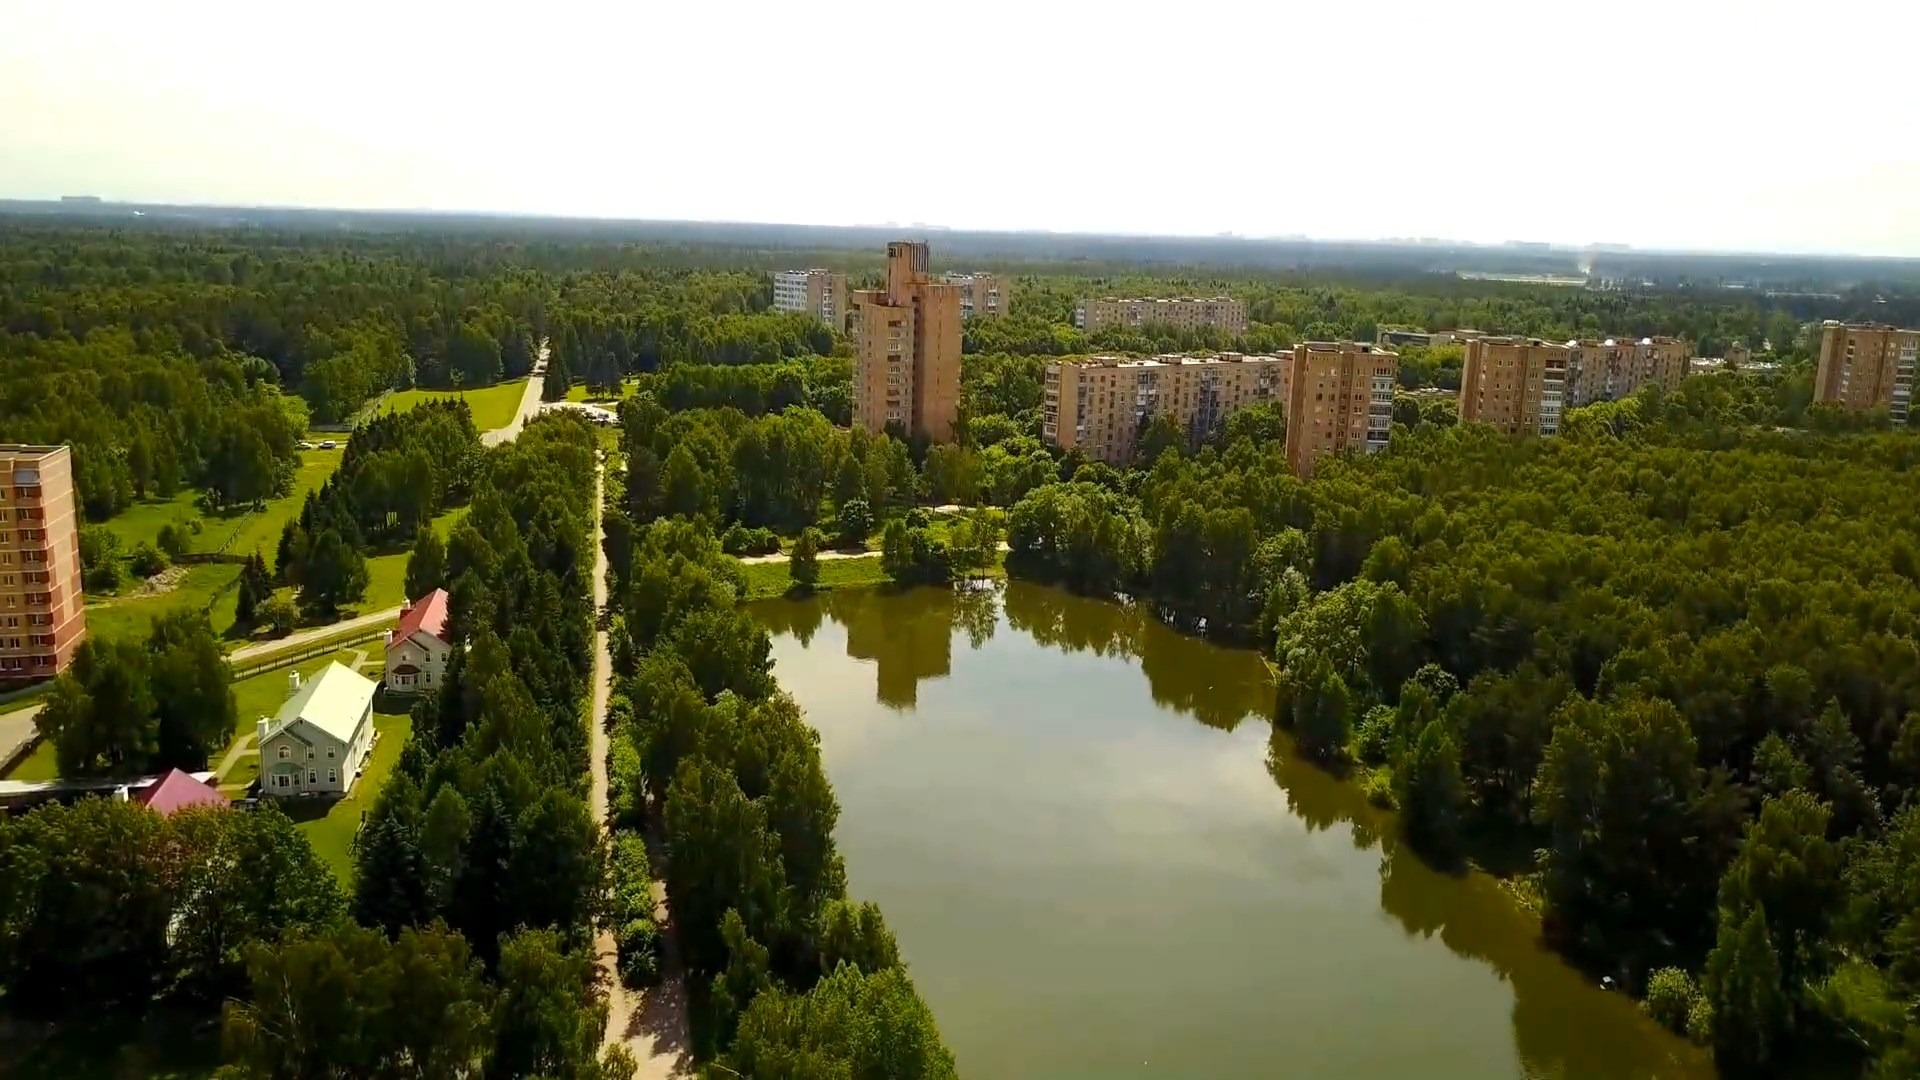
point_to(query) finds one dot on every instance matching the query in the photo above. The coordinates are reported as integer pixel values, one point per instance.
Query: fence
(286, 657)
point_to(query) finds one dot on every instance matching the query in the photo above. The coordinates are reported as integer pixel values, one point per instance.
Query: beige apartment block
(1516, 384)
(42, 612)
(981, 295)
(1187, 313)
(906, 336)
(1340, 400)
(819, 293)
(1865, 366)
(1098, 404)
(1610, 369)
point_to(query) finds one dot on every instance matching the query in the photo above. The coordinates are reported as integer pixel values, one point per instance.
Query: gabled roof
(332, 701)
(428, 613)
(177, 791)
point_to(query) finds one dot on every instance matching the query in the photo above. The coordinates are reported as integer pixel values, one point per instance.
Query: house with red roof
(177, 791)
(417, 647)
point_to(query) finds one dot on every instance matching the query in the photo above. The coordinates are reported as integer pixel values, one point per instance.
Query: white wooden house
(319, 741)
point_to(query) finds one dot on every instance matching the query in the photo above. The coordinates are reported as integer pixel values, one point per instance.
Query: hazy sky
(1744, 124)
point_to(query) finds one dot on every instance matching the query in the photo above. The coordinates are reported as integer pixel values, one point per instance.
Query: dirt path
(652, 1023)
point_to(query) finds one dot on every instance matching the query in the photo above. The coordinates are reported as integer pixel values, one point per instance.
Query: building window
(284, 755)
(309, 753)
(329, 751)
(283, 780)
(333, 777)
(313, 777)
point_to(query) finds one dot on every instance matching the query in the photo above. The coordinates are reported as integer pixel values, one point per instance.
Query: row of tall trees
(786, 974)
(1621, 647)
(127, 708)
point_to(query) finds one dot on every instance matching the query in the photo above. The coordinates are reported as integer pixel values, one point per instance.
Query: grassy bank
(768, 580)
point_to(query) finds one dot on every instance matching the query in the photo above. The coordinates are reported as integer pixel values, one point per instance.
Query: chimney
(405, 606)
(120, 794)
(260, 732)
(293, 683)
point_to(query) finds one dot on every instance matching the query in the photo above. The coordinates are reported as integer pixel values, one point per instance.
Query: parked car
(329, 445)
(303, 445)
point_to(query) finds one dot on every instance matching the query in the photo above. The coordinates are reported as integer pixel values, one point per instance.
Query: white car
(303, 445)
(329, 445)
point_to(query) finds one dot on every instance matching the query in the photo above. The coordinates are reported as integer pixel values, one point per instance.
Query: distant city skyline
(1669, 125)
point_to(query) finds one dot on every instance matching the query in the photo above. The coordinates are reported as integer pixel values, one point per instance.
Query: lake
(1096, 868)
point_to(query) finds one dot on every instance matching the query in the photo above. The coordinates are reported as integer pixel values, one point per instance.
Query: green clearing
(578, 392)
(387, 574)
(330, 827)
(768, 580)
(208, 587)
(239, 532)
(493, 406)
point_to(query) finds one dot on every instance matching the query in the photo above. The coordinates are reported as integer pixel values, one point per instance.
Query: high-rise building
(42, 613)
(1340, 398)
(819, 293)
(1516, 384)
(1866, 367)
(1187, 313)
(1610, 369)
(981, 295)
(906, 340)
(1097, 404)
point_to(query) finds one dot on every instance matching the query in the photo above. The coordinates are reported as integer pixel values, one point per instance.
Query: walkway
(529, 406)
(652, 1023)
(16, 730)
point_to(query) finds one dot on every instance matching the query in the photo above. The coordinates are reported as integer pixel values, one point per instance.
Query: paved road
(300, 638)
(16, 729)
(652, 1023)
(529, 407)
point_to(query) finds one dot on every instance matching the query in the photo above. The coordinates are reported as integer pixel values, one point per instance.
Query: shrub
(639, 945)
(740, 540)
(856, 523)
(1671, 995)
(1700, 1021)
(804, 566)
(278, 615)
(174, 538)
(147, 560)
(624, 784)
(104, 578)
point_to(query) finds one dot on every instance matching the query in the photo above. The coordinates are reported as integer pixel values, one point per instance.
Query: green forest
(1660, 674)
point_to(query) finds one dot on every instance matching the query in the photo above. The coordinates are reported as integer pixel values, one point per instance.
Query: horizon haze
(1673, 127)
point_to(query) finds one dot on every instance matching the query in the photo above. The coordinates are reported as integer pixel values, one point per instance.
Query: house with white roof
(319, 741)
(417, 647)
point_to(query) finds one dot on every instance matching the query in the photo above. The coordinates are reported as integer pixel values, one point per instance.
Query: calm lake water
(1095, 868)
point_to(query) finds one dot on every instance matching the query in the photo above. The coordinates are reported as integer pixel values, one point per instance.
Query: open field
(330, 826)
(493, 406)
(578, 391)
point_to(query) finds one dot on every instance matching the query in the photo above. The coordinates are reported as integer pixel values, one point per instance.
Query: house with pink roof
(417, 647)
(177, 791)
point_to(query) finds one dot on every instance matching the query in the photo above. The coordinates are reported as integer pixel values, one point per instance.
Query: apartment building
(1517, 384)
(1188, 313)
(1610, 369)
(819, 293)
(1097, 404)
(1866, 366)
(906, 339)
(42, 613)
(1340, 399)
(980, 294)
(1388, 336)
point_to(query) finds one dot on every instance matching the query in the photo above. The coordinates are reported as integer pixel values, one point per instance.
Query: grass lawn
(493, 406)
(578, 391)
(330, 827)
(768, 580)
(204, 587)
(37, 766)
(387, 574)
(247, 530)
(261, 532)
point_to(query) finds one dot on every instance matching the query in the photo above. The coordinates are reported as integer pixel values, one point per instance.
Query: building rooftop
(332, 701)
(1347, 346)
(29, 448)
(1165, 299)
(1170, 360)
(178, 790)
(428, 613)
